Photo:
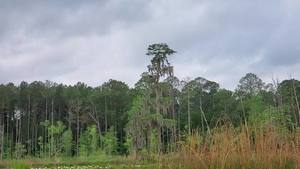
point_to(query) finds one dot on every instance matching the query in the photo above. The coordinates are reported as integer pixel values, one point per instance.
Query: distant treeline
(46, 119)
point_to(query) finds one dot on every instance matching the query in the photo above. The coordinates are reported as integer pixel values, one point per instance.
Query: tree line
(47, 119)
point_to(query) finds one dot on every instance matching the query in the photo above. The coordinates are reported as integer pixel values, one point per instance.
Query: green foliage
(19, 151)
(93, 139)
(55, 133)
(151, 117)
(84, 144)
(89, 141)
(255, 104)
(128, 145)
(271, 116)
(41, 146)
(57, 129)
(15, 164)
(67, 142)
(138, 124)
(250, 84)
(110, 142)
(153, 138)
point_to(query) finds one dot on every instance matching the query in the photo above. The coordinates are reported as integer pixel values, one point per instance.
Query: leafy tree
(288, 92)
(56, 131)
(110, 142)
(250, 84)
(19, 151)
(93, 139)
(67, 142)
(84, 147)
(159, 68)
(198, 98)
(138, 125)
(150, 117)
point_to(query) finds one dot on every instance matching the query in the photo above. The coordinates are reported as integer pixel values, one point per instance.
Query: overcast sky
(94, 40)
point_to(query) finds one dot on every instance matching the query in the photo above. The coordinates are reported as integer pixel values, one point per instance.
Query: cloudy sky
(94, 40)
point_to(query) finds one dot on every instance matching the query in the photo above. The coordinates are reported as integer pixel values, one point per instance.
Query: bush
(67, 142)
(15, 164)
(19, 151)
(110, 142)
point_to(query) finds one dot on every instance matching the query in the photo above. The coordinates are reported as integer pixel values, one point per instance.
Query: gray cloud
(92, 41)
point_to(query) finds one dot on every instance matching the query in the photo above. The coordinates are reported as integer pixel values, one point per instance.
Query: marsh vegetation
(161, 122)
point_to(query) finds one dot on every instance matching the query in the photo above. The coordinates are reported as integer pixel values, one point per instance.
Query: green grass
(91, 162)
(16, 164)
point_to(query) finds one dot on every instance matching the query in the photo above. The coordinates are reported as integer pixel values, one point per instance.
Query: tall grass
(238, 148)
(226, 147)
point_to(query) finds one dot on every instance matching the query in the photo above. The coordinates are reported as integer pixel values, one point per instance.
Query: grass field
(225, 148)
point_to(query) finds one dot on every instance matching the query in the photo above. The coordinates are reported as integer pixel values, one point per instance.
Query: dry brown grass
(231, 148)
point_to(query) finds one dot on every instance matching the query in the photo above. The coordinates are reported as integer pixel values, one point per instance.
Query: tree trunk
(77, 135)
(204, 117)
(158, 121)
(2, 131)
(189, 113)
(105, 114)
(2, 138)
(28, 127)
(11, 142)
(20, 128)
(45, 140)
(17, 128)
(244, 115)
(296, 98)
(173, 133)
(52, 123)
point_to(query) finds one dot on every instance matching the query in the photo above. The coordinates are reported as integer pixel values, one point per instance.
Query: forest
(161, 118)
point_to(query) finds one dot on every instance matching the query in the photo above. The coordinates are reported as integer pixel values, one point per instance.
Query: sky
(92, 41)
